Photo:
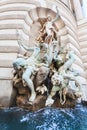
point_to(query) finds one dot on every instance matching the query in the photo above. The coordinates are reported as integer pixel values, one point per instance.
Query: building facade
(23, 15)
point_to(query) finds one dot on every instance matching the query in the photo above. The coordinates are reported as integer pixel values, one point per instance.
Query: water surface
(45, 119)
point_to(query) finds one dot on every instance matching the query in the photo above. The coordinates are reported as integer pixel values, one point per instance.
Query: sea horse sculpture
(60, 81)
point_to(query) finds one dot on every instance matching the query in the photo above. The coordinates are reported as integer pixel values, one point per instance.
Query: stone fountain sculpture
(48, 70)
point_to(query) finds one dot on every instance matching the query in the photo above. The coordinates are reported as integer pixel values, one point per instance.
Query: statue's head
(19, 63)
(56, 79)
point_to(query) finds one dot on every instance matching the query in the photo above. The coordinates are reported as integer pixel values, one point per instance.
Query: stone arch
(41, 12)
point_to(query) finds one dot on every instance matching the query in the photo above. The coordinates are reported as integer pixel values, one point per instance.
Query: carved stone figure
(48, 69)
(47, 59)
(60, 80)
(40, 78)
(48, 32)
(70, 59)
(55, 79)
(60, 56)
(30, 66)
(61, 84)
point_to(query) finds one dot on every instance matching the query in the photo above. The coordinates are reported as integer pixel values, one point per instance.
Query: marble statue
(32, 64)
(60, 81)
(29, 67)
(48, 31)
(60, 56)
(48, 58)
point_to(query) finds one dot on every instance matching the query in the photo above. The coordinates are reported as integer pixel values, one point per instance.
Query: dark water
(45, 119)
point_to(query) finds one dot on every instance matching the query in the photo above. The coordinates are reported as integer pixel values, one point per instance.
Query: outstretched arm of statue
(57, 16)
(24, 46)
(20, 43)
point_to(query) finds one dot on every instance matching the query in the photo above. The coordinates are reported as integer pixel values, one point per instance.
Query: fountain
(46, 77)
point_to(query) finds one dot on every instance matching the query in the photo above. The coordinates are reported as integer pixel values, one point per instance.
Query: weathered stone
(6, 59)
(22, 101)
(8, 46)
(6, 73)
(7, 93)
(41, 75)
(23, 90)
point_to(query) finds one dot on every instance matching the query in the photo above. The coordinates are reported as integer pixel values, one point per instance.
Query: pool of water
(45, 119)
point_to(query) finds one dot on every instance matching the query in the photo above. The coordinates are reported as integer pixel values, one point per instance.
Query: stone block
(84, 51)
(84, 58)
(83, 44)
(6, 59)
(6, 73)
(6, 93)
(9, 46)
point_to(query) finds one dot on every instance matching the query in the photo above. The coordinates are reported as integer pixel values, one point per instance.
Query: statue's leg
(49, 100)
(26, 77)
(63, 93)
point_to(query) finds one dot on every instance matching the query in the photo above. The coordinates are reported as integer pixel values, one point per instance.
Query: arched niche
(37, 14)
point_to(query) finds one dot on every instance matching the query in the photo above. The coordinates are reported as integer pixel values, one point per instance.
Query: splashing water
(45, 119)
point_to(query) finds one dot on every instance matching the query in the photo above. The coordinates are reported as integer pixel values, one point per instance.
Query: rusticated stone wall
(21, 15)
